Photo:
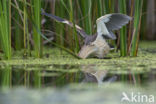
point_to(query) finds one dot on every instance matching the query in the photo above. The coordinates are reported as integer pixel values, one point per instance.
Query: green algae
(145, 61)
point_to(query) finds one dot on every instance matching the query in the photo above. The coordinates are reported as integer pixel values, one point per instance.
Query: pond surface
(59, 78)
(81, 94)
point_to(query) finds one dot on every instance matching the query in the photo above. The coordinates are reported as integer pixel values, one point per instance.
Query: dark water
(61, 75)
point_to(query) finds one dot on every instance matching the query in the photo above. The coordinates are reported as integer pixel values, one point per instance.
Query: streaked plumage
(96, 45)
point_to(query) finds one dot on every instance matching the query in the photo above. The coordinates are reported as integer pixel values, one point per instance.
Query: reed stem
(137, 23)
(36, 14)
(123, 33)
(5, 27)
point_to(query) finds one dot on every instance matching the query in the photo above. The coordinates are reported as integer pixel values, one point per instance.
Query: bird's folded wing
(106, 24)
(58, 19)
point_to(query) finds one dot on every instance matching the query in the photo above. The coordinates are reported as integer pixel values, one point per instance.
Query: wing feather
(58, 19)
(106, 24)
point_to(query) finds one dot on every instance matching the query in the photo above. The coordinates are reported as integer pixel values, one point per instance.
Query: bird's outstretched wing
(106, 24)
(58, 19)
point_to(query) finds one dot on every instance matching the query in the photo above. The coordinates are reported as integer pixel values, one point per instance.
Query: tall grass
(123, 37)
(56, 26)
(36, 14)
(18, 30)
(25, 30)
(100, 7)
(74, 30)
(106, 7)
(86, 7)
(136, 30)
(130, 28)
(5, 27)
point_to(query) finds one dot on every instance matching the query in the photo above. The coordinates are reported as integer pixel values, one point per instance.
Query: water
(65, 84)
(61, 75)
(79, 94)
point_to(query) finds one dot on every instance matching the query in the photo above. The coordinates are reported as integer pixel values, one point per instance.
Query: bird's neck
(100, 38)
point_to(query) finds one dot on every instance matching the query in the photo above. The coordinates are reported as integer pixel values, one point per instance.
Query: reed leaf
(76, 42)
(106, 6)
(36, 15)
(5, 27)
(100, 7)
(25, 30)
(18, 33)
(123, 33)
(86, 6)
(137, 23)
(59, 11)
(129, 39)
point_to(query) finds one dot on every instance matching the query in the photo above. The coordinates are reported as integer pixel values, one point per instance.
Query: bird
(96, 45)
(96, 75)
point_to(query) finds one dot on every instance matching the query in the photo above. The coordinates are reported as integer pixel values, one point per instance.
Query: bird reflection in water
(94, 75)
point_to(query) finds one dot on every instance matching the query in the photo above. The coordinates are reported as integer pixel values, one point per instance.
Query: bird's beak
(87, 51)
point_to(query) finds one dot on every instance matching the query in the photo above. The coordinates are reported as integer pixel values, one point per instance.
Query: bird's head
(87, 51)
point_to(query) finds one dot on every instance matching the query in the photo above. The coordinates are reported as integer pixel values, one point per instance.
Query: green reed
(17, 31)
(136, 25)
(59, 11)
(86, 7)
(36, 16)
(5, 27)
(25, 29)
(106, 7)
(100, 7)
(123, 33)
(74, 29)
(129, 37)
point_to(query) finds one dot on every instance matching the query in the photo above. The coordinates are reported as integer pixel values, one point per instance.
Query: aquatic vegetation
(36, 11)
(123, 31)
(5, 27)
(145, 60)
(136, 30)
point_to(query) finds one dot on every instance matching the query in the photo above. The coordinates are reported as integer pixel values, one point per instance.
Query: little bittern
(96, 45)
